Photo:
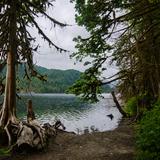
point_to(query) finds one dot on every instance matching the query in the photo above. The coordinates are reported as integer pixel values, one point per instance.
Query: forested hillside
(57, 81)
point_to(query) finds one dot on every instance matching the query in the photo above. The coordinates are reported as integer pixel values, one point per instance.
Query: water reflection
(76, 116)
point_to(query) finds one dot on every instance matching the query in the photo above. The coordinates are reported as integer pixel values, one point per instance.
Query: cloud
(48, 57)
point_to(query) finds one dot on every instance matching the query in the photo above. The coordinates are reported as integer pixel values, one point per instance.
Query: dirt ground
(110, 145)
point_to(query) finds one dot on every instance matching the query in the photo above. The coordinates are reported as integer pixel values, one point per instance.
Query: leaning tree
(17, 47)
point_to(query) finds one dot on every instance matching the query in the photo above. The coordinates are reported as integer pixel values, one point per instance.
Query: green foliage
(135, 49)
(89, 86)
(4, 152)
(92, 17)
(131, 106)
(139, 102)
(148, 135)
(57, 81)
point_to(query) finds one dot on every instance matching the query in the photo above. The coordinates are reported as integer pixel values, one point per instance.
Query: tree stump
(30, 112)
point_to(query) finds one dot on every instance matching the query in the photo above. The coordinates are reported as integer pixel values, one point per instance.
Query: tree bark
(8, 111)
(30, 112)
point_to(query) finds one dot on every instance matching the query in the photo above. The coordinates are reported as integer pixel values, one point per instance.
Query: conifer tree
(17, 46)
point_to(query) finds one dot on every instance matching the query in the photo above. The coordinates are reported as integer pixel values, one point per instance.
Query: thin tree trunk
(12, 55)
(118, 105)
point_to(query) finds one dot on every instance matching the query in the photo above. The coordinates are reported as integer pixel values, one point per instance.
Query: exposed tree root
(34, 135)
(8, 134)
(30, 133)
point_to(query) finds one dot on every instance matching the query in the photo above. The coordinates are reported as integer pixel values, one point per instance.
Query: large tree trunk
(8, 111)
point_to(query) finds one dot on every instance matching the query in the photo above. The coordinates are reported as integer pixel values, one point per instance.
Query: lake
(76, 115)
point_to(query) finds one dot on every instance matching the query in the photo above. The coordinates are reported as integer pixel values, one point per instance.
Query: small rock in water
(110, 116)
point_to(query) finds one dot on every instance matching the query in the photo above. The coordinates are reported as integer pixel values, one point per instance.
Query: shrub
(148, 136)
(140, 101)
(4, 152)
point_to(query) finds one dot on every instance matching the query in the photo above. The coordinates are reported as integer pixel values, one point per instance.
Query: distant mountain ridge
(58, 81)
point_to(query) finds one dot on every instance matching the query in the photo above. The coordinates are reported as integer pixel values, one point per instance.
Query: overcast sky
(48, 57)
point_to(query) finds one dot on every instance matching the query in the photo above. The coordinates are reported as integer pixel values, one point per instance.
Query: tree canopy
(126, 33)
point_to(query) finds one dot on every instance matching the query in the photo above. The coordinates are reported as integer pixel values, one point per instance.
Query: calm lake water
(77, 116)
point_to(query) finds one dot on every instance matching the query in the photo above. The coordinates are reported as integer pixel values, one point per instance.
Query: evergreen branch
(43, 34)
(45, 14)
